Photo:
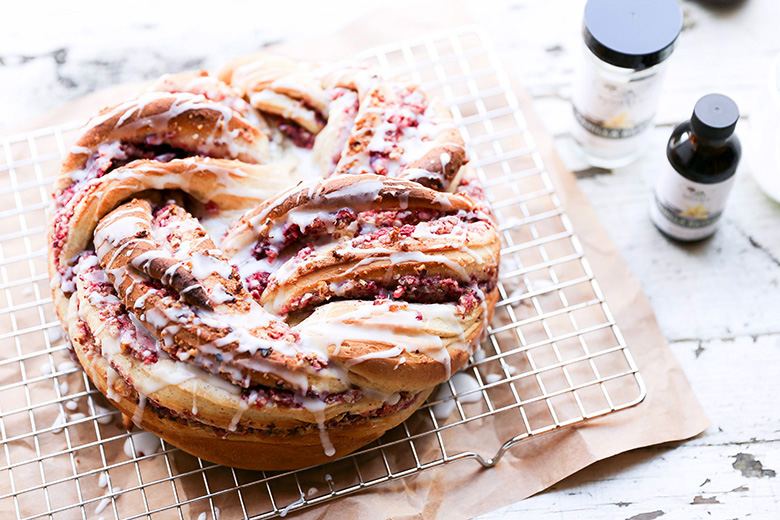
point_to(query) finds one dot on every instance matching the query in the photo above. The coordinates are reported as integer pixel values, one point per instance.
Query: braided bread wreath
(275, 267)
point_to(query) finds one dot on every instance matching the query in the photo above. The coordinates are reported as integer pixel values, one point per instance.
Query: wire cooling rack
(553, 356)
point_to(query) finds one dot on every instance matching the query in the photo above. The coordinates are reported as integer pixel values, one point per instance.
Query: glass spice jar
(619, 78)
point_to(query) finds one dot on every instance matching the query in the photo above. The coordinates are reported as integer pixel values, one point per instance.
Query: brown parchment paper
(463, 489)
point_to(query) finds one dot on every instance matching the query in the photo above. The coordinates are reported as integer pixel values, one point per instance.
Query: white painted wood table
(717, 302)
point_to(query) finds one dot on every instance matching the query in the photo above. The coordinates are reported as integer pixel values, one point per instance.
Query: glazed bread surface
(272, 267)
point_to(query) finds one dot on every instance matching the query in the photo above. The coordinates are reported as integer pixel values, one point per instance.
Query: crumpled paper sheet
(462, 489)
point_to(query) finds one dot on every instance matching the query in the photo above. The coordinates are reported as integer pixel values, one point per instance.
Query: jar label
(606, 128)
(688, 210)
(613, 106)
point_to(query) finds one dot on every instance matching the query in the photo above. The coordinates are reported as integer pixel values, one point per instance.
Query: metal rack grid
(553, 356)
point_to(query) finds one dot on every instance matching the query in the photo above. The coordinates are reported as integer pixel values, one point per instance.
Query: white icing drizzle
(493, 378)
(421, 257)
(363, 192)
(111, 378)
(139, 410)
(376, 395)
(59, 423)
(54, 334)
(102, 506)
(79, 150)
(403, 328)
(205, 265)
(441, 200)
(66, 366)
(144, 442)
(194, 398)
(317, 407)
(445, 159)
(106, 416)
(379, 354)
(289, 506)
(466, 387)
(242, 407)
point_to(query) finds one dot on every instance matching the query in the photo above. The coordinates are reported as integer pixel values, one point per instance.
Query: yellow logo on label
(697, 211)
(620, 121)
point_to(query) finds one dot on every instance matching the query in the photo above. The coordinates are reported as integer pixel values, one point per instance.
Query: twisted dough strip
(181, 121)
(392, 121)
(279, 86)
(374, 125)
(200, 83)
(222, 329)
(329, 310)
(467, 252)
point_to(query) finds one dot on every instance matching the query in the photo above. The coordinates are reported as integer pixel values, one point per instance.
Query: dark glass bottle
(722, 4)
(703, 153)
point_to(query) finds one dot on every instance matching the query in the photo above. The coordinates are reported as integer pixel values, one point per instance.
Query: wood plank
(696, 478)
(726, 286)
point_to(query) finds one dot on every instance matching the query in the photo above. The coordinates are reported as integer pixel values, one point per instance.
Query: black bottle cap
(714, 117)
(633, 34)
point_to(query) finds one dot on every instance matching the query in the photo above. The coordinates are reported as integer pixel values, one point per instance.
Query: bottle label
(688, 210)
(609, 128)
(615, 107)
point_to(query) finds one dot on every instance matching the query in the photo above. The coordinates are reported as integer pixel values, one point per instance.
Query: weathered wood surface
(717, 302)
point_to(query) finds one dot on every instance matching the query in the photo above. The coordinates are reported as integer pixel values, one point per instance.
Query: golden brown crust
(414, 371)
(376, 120)
(186, 121)
(356, 192)
(274, 442)
(227, 184)
(183, 331)
(328, 311)
(277, 452)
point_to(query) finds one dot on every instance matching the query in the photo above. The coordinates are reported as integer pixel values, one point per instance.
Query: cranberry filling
(259, 396)
(164, 290)
(389, 218)
(60, 233)
(104, 162)
(256, 284)
(400, 217)
(388, 227)
(472, 189)
(418, 288)
(114, 313)
(414, 100)
(111, 157)
(292, 233)
(402, 115)
(300, 137)
(344, 420)
(378, 162)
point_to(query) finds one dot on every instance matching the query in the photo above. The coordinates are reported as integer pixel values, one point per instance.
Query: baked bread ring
(272, 272)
